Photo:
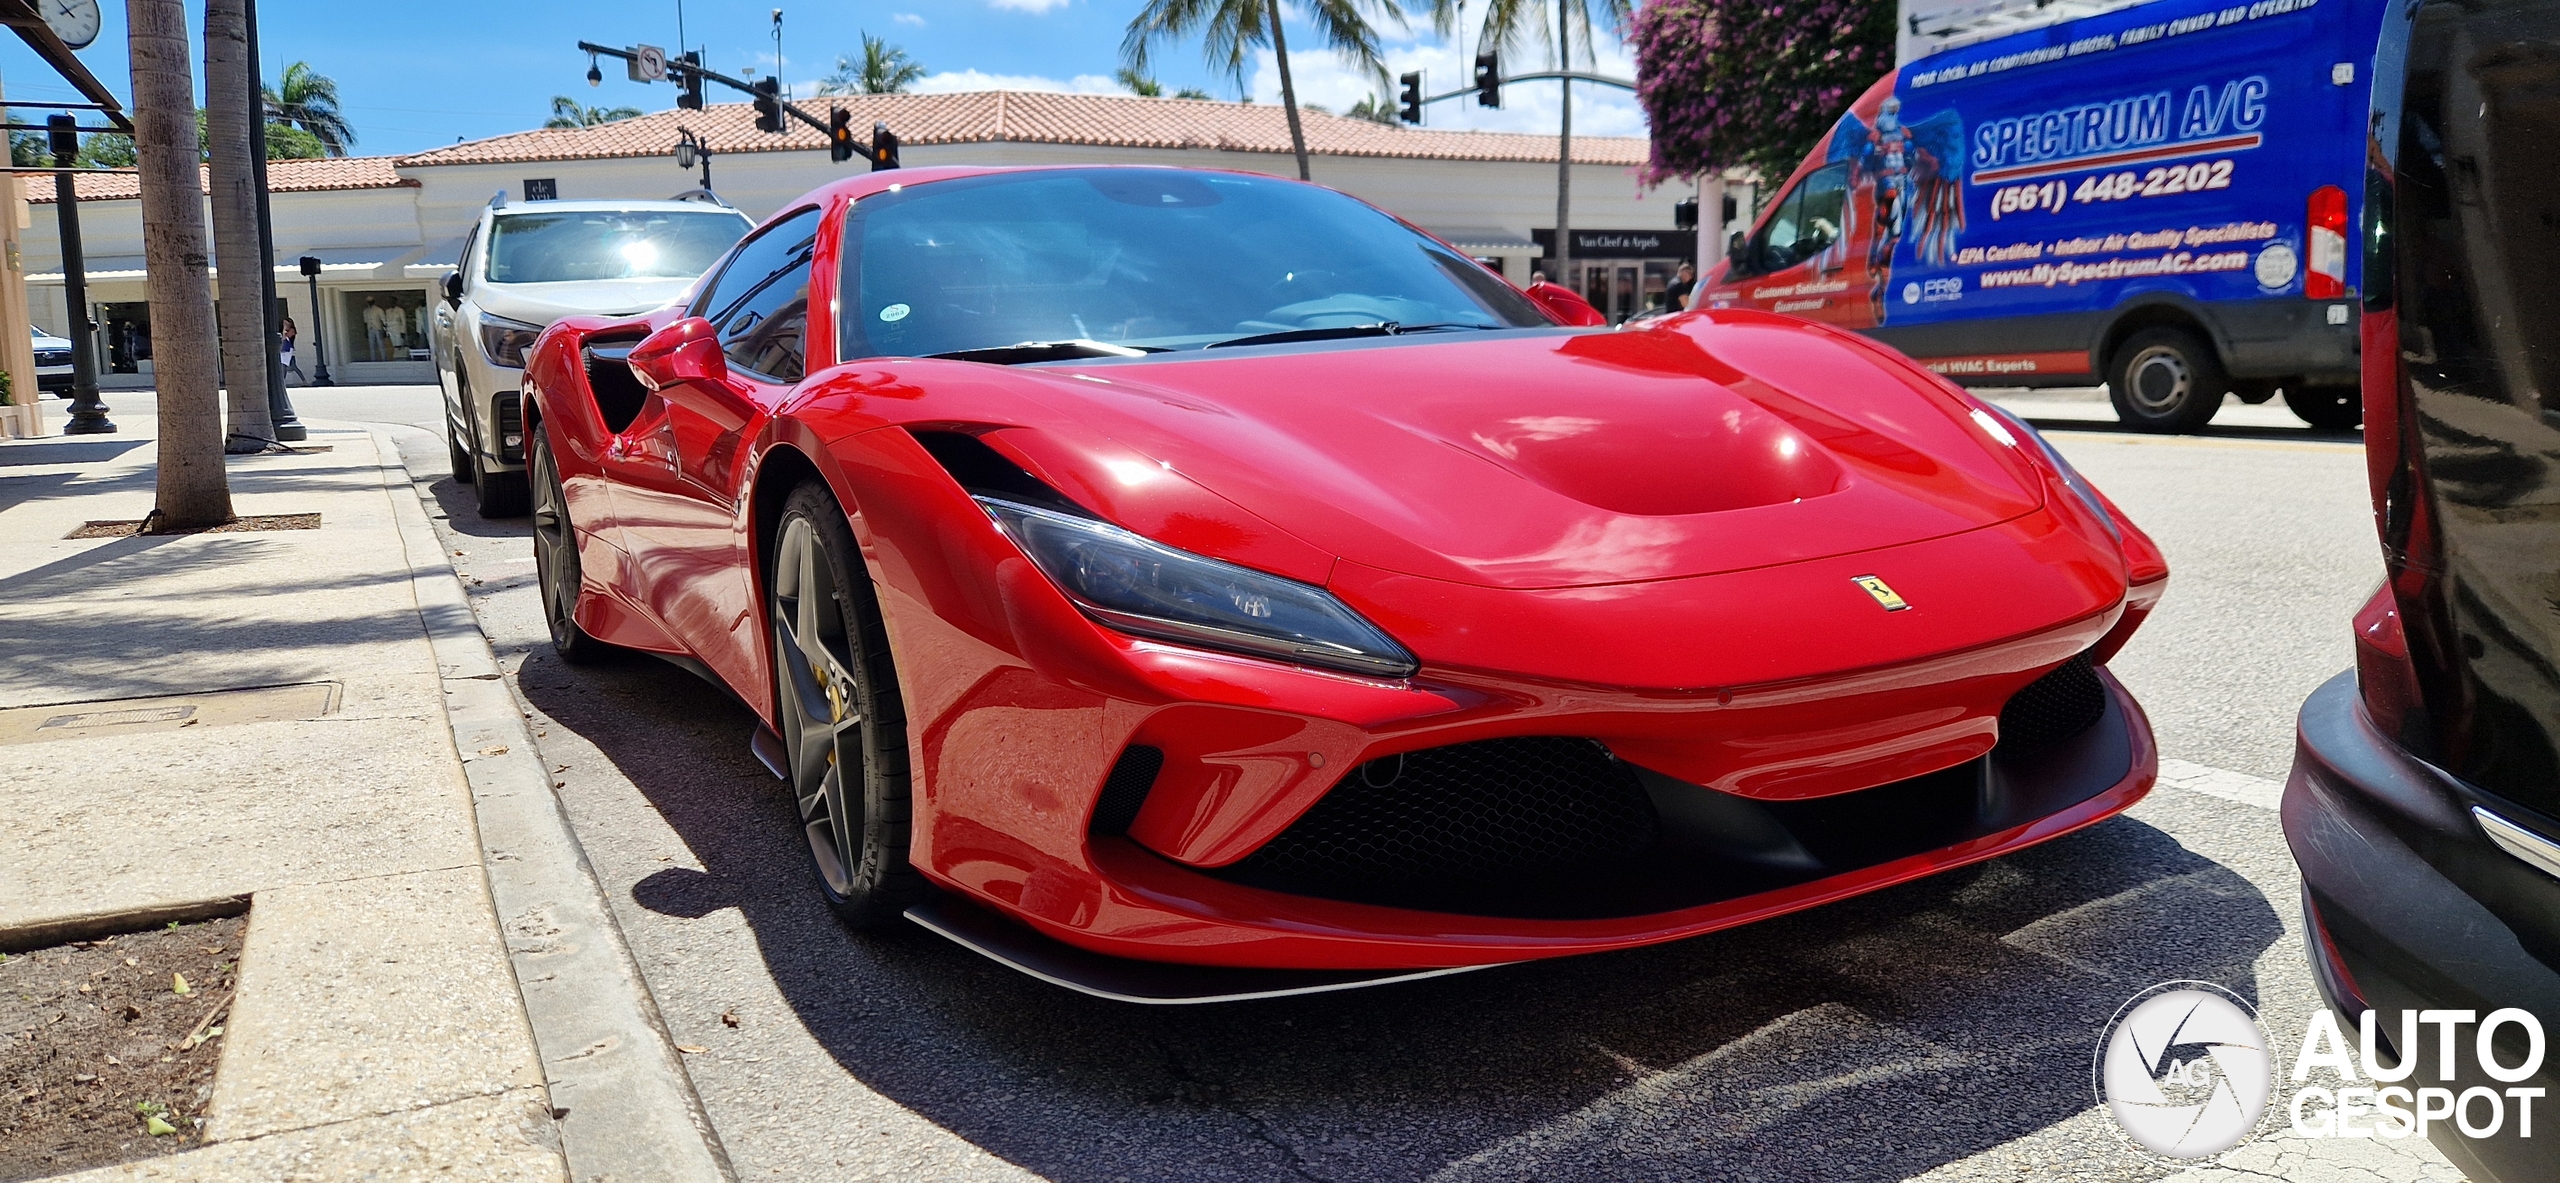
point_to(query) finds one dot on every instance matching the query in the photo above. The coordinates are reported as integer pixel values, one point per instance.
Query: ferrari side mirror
(1561, 303)
(687, 351)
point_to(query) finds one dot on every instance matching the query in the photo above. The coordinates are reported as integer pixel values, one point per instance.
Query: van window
(1807, 221)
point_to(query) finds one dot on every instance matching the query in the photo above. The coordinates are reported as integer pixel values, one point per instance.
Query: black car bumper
(2394, 870)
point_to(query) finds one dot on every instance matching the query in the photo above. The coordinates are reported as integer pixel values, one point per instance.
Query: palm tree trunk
(1289, 92)
(228, 81)
(193, 488)
(1563, 260)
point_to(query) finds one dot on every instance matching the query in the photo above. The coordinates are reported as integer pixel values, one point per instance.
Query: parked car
(1187, 585)
(2156, 197)
(526, 265)
(53, 362)
(2424, 804)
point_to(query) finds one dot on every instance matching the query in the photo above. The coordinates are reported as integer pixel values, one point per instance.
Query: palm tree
(884, 69)
(1142, 85)
(193, 489)
(308, 99)
(1230, 30)
(230, 83)
(569, 112)
(1506, 22)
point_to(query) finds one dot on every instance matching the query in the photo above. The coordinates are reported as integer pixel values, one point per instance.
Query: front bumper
(2394, 870)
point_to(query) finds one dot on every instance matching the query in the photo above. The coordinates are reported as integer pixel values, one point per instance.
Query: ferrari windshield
(1144, 259)
(566, 246)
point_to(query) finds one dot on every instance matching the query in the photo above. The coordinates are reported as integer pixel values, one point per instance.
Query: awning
(1486, 240)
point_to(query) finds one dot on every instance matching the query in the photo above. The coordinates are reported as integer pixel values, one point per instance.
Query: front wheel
(2329, 408)
(555, 559)
(2166, 380)
(836, 705)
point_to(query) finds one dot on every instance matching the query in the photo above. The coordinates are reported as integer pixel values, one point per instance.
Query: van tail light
(2327, 277)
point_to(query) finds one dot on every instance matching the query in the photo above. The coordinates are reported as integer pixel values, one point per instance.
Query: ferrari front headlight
(2015, 432)
(506, 340)
(1143, 587)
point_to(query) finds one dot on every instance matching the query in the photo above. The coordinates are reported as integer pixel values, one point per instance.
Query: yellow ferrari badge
(1883, 593)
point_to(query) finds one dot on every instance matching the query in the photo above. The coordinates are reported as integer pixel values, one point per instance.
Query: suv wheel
(498, 494)
(2166, 380)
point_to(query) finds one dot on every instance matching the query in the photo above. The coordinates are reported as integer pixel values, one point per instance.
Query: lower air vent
(1501, 810)
(1125, 790)
(2061, 704)
(511, 428)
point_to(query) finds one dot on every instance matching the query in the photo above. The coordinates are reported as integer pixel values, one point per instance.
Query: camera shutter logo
(2183, 1068)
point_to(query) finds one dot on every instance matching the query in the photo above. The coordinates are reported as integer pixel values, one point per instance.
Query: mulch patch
(101, 1059)
(273, 521)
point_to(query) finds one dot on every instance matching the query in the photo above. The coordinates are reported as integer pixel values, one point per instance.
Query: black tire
(556, 570)
(457, 447)
(2166, 380)
(2329, 408)
(494, 494)
(836, 706)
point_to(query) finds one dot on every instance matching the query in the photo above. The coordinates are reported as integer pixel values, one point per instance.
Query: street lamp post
(280, 414)
(319, 326)
(88, 411)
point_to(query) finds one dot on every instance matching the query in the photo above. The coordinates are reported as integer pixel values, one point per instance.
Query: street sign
(648, 64)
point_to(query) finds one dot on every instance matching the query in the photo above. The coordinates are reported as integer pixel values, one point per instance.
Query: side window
(760, 303)
(1808, 220)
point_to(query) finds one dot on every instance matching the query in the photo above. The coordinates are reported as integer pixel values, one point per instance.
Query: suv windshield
(1145, 259)
(573, 246)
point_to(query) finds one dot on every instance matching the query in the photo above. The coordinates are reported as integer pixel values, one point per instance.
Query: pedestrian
(285, 338)
(1536, 277)
(1683, 282)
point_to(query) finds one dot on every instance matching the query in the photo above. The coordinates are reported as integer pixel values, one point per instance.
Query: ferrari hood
(542, 303)
(1545, 460)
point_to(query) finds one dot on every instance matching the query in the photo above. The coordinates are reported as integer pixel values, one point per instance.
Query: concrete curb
(627, 1109)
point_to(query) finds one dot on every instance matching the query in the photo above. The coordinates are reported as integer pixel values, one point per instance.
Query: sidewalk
(381, 1027)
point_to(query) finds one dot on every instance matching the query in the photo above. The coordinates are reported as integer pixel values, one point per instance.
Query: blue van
(2158, 198)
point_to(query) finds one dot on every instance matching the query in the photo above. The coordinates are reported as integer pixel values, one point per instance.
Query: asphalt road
(1942, 1028)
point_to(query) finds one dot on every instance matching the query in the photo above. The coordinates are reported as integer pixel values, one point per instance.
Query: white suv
(528, 264)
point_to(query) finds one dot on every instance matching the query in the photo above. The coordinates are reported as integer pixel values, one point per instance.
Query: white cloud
(947, 81)
(1327, 80)
(1031, 6)
(908, 19)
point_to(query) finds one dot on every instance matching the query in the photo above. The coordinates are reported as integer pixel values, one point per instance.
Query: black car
(2424, 805)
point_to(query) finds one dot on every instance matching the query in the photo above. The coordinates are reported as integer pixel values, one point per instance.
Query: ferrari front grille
(1493, 810)
(2061, 704)
(1125, 790)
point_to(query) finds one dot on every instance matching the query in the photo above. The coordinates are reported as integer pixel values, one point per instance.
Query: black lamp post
(88, 411)
(319, 333)
(279, 408)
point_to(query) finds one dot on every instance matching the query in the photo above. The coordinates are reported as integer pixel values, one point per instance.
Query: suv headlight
(1143, 587)
(506, 340)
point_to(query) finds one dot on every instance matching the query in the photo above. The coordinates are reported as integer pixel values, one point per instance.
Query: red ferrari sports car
(1187, 585)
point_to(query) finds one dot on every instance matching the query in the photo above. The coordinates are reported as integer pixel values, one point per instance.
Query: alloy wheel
(555, 546)
(818, 704)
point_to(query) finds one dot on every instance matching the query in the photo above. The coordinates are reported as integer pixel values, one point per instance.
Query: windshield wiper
(1384, 328)
(1031, 351)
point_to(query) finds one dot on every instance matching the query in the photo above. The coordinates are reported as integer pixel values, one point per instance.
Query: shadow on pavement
(1875, 1038)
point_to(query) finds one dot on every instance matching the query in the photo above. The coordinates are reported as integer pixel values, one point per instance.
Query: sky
(418, 76)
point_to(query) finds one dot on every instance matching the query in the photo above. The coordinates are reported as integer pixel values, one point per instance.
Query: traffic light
(839, 135)
(1412, 109)
(62, 135)
(1488, 80)
(884, 147)
(689, 83)
(1684, 214)
(769, 105)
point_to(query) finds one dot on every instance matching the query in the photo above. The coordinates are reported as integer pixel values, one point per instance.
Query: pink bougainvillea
(1752, 83)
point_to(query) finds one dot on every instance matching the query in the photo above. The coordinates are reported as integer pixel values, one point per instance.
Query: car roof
(606, 206)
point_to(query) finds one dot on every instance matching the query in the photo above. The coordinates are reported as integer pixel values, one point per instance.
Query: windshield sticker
(894, 313)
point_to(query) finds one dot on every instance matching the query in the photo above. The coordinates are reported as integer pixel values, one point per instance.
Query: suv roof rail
(499, 201)
(703, 195)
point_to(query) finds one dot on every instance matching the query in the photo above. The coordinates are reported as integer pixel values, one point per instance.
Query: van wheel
(2166, 380)
(2329, 408)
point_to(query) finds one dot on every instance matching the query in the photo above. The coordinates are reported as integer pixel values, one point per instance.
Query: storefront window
(385, 326)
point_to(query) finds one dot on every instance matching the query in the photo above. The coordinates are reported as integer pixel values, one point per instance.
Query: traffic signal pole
(681, 68)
